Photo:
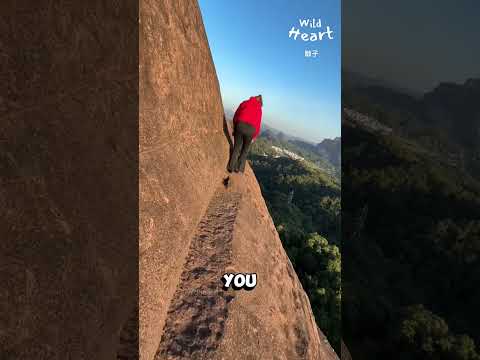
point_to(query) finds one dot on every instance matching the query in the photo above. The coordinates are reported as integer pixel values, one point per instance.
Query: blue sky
(253, 54)
(412, 44)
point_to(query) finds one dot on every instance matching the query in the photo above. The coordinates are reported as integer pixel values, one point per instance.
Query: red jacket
(250, 112)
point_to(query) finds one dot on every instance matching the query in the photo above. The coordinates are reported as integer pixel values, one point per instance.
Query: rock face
(68, 178)
(193, 228)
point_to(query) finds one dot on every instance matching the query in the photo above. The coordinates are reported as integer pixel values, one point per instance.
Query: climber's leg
(237, 148)
(247, 140)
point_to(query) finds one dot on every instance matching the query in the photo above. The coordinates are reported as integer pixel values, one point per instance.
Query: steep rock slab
(275, 320)
(68, 177)
(182, 150)
(198, 311)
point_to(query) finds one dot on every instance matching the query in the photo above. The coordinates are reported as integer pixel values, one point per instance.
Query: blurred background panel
(411, 179)
(69, 179)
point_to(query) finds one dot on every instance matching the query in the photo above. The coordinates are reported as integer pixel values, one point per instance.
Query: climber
(246, 127)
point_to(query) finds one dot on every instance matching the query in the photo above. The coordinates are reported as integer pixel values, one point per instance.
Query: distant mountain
(355, 79)
(273, 146)
(331, 149)
(455, 108)
(445, 120)
(328, 149)
(269, 130)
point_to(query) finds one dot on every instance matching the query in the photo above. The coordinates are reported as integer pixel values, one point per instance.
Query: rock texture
(68, 178)
(192, 227)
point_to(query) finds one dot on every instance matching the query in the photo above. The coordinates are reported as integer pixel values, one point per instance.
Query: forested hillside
(411, 231)
(304, 202)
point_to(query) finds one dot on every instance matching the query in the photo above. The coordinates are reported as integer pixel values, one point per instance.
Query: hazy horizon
(433, 44)
(385, 82)
(229, 115)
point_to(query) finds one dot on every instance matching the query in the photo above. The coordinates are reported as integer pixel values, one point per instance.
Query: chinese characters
(311, 53)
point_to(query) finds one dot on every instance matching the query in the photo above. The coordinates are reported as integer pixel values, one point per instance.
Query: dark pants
(243, 135)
